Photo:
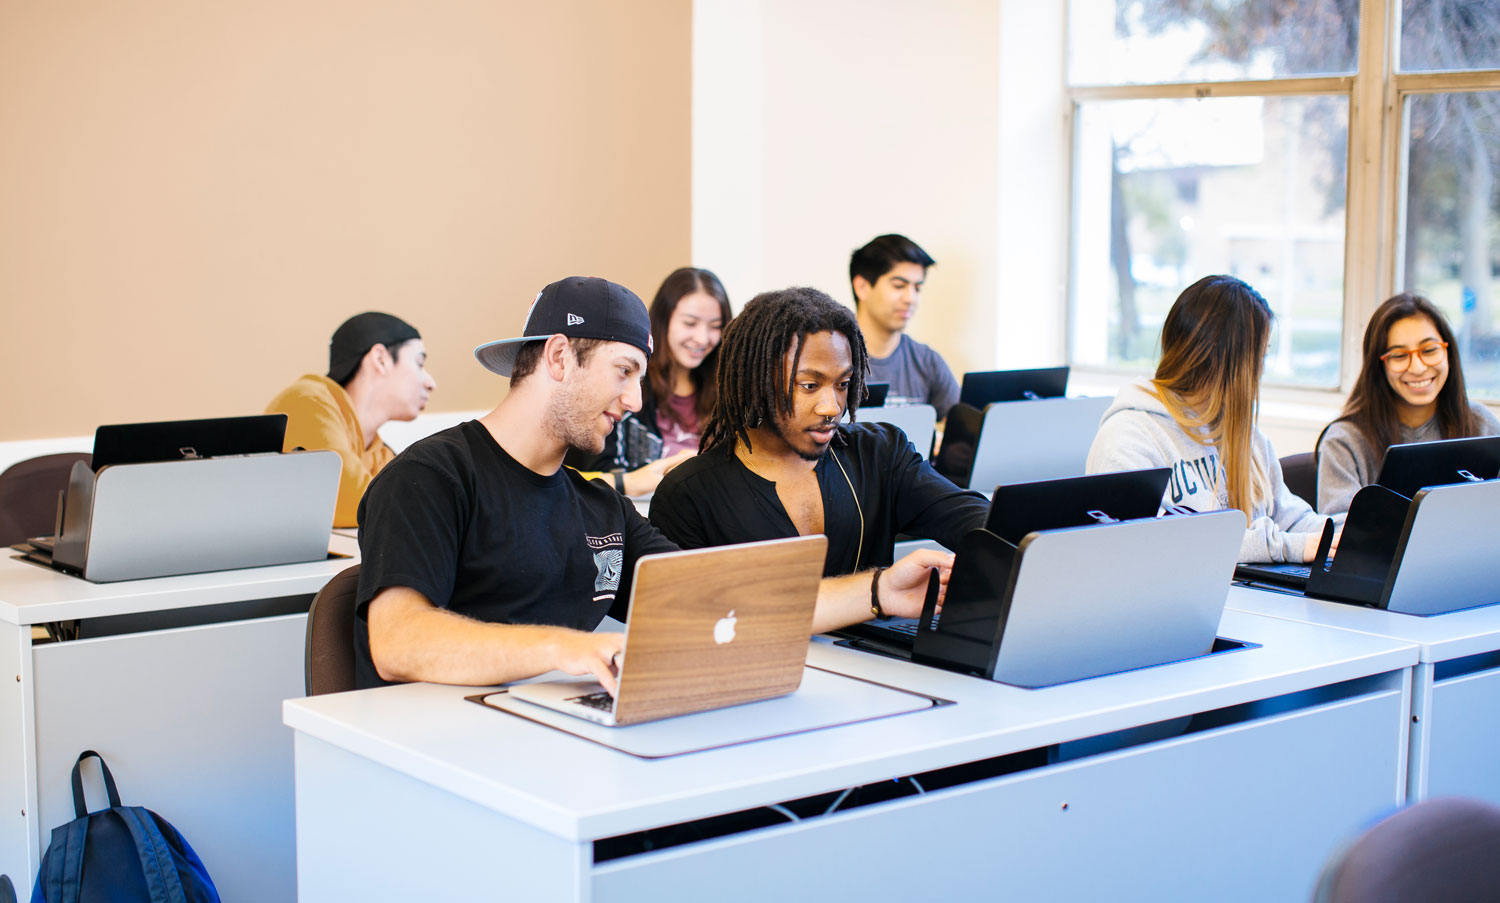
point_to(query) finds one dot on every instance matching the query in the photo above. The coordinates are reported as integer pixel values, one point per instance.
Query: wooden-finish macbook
(708, 628)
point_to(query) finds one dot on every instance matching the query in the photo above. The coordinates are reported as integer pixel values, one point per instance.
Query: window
(1222, 136)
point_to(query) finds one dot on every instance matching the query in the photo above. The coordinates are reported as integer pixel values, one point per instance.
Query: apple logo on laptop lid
(724, 628)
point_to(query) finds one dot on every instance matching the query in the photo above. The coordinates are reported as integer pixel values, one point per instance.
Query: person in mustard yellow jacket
(377, 371)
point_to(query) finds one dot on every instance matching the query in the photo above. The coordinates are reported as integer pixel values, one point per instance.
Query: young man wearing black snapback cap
(377, 372)
(484, 560)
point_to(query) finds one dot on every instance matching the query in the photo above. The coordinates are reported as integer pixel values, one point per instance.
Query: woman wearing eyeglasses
(1411, 389)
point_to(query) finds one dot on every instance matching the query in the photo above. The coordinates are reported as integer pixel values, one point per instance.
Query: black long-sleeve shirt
(713, 499)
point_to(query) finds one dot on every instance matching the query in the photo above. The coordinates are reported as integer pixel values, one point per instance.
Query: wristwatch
(619, 475)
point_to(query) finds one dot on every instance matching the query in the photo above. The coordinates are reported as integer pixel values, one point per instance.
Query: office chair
(1437, 851)
(28, 494)
(1301, 475)
(329, 657)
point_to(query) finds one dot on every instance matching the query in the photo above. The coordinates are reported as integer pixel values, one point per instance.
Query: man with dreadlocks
(776, 461)
(486, 561)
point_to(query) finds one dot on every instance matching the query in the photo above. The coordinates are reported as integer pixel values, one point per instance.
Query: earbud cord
(857, 508)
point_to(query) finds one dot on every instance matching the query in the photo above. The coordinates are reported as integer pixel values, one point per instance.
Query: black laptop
(875, 394)
(173, 440)
(1022, 508)
(1285, 575)
(1413, 466)
(1406, 469)
(985, 387)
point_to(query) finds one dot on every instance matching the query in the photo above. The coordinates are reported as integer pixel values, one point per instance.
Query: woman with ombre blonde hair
(1197, 416)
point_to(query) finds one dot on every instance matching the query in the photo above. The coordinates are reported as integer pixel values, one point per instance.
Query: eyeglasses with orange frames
(1431, 353)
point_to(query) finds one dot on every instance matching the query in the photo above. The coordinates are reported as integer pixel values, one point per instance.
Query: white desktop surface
(187, 717)
(32, 594)
(1440, 637)
(579, 791)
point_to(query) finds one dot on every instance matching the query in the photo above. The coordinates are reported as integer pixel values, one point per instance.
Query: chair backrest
(1438, 851)
(28, 494)
(329, 658)
(1301, 475)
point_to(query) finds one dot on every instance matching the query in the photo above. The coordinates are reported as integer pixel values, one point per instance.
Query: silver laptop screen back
(1098, 600)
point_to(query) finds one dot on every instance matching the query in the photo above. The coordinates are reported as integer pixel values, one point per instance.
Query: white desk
(1455, 687)
(411, 792)
(187, 717)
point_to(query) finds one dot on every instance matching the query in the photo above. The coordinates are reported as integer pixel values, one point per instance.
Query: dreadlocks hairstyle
(1212, 345)
(753, 383)
(1372, 401)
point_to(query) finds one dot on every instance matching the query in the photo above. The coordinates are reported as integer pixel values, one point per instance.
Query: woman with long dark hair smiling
(1410, 389)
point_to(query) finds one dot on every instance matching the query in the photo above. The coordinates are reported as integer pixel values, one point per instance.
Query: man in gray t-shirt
(887, 276)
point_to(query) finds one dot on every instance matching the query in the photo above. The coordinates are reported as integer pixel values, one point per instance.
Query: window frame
(1374, 214)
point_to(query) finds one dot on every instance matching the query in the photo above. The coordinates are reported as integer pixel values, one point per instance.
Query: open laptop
(164, 518)
(1285, 575)
(1413, 466)
(1024, 442)
(1080, 602)
(707, 629)
(875, 394)
(173, 440)
(917, 421)
(983, 387)
(1406, 469)
(1024, 508)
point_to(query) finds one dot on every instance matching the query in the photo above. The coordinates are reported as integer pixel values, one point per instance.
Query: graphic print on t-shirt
(609, 561)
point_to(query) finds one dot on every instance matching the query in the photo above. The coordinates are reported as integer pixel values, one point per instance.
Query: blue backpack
(123, 854)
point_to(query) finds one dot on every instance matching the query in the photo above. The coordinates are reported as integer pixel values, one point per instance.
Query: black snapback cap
(579, 307)
(358, 334)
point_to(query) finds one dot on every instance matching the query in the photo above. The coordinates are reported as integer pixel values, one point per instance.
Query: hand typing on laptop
(1310, 552)
(727, 625)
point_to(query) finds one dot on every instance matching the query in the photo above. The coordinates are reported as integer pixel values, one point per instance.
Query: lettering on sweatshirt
(1195, 475)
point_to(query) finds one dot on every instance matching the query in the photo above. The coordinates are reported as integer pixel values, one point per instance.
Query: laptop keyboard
(601, 701)
(1298, 570)
(908, 626)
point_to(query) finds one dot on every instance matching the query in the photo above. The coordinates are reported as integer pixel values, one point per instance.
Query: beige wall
(193, 195)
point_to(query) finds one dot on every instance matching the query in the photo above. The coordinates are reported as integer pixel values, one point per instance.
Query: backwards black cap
(358, 335)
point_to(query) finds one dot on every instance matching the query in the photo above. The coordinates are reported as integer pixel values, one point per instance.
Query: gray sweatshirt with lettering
(1138, 433)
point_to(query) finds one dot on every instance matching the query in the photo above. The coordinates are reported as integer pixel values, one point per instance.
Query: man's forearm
(842, 601)
(903, 590)
(410, 640)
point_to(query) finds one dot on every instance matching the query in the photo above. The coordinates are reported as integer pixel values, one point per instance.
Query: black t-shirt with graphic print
(459, 520)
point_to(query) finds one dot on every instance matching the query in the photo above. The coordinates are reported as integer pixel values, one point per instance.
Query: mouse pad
(825, 699)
